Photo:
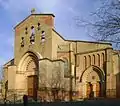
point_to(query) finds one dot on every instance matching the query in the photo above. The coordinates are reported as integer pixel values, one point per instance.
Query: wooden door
(88, 90)
(97, 89)
(35, 86)
(32, 86)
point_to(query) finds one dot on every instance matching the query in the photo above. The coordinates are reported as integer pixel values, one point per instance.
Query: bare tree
(105, 25)
(1, 77)
(1, 73)
(55, 85)
(2, 84)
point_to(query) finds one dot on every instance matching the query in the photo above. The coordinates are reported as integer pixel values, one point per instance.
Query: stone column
(80, 89)
(94, 88)
(108, 71)
(102, 88)
(85, 85)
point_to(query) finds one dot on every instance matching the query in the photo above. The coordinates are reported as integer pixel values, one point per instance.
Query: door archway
(29, 65)
(94, 82)
(32, 78)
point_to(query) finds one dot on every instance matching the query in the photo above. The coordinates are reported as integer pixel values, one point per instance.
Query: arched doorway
(32, 78)
(93, 79)
(29, 65)
(93, 89)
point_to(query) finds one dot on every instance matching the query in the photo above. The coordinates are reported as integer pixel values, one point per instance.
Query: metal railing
(13, 98)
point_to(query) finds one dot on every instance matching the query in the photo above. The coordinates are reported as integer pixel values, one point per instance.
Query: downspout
(70, 92)
(119, 62)
(75, 63)
(117, 77)
(105, 68)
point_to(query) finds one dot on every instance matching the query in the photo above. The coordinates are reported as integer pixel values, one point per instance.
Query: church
(47, 66)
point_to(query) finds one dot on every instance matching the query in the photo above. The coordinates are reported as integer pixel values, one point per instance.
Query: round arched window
(66, 67)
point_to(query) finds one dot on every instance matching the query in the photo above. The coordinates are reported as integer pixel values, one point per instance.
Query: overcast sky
(65, 11)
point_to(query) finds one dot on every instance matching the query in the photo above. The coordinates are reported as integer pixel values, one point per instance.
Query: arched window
(85, 62)
(66, 67)
(39, 26)
(22, 42)
(89, 60)
(102, 58)
(43, 36)
(26, 30)
(98, 59)
(32, 37)
(32, 30)
(93, 59)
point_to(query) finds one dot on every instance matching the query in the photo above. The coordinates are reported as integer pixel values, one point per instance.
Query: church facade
(44, 62)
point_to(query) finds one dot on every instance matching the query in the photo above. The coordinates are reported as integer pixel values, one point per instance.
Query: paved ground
(106, 102)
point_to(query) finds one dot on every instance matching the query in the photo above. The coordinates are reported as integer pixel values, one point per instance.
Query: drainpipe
(117, 87)
(75, 68)
(6, 90)
(70, 92)
(105, 68)
(75, 63)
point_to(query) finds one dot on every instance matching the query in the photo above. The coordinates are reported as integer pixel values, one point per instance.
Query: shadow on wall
(118, 85)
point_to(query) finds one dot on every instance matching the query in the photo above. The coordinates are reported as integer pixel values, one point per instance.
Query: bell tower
(34, 34)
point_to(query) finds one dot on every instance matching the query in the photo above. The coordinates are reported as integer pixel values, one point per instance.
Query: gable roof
(10, 62)
(33, 15)
(97, 42)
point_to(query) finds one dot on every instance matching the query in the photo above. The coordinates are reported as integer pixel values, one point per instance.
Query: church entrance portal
(93, 79)
(32, 86)
(93, 90)
(29, 64)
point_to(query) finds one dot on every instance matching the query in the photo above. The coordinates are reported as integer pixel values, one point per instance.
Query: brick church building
(47, 66)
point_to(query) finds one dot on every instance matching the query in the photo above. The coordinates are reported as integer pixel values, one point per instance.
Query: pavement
(93, 102)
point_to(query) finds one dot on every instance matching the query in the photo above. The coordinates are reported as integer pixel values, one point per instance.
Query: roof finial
(32, 10)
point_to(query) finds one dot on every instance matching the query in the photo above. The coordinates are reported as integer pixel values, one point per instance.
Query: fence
(17, 98)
